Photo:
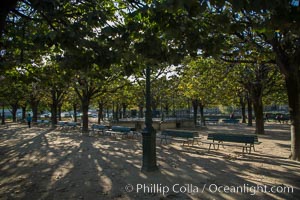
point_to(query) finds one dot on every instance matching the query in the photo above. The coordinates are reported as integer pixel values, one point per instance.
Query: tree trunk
(3, 116)
(34, 106)
(154, 106)
(249, 111)
(100, 111)
(289, 65)
(141, 111)
(107, 113)
(85, 101)
(124, 107)
(59, 111)
(195, 103)
(202, 114)
(54, 105)
(243, 106)
(167, 108)
(53, 113)
(293, 89)
(117, 113)
(113, 111)
(14, 111)
(256, 94)
(75, 112)
(120, 112)
(35, 112)
(259, 116)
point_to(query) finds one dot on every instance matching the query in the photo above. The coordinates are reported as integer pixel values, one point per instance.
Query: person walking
(29, 119)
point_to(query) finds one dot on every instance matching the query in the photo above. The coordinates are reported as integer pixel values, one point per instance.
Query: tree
(276, 24)
(200, 82)
(13, 91)
(151, 28)
(256, 80)
(57, 82)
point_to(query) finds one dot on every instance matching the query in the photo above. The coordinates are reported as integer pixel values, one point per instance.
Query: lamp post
(149, 134)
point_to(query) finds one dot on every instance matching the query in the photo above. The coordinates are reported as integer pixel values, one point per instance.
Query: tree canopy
(95, 46)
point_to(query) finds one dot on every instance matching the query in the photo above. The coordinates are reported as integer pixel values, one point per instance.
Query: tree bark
(259, 116)
(85, 95)
(243, 107)
(75, 112)
(141, 111)
(202, 114)
(34, 103)
(249, 102)
(256, 94)
(3, 116)
(100, 111)
(14, 111)
(113, 112)
(53, 113)
(293, 89)
(124, 107)
(120, 113)
(117, 111)
(59, 111)
(195, 103)
(289, 65)
(167, 108)
(56, 96)
(85, 102)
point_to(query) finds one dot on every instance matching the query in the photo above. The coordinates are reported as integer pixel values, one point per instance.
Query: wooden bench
(185, 136)
(211, 121)
(61, 124)
(230, 121)
(246, 142)
(123, 131)
(43, 122)
(98, 128)
(72, 125)
(68, 125)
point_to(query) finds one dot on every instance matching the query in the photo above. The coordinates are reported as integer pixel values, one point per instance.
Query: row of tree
(92, 45)
(201, 83)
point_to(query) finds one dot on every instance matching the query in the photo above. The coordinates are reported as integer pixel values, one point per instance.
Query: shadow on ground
(42, 163)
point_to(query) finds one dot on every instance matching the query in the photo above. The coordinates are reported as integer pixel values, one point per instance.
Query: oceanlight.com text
(210, 188)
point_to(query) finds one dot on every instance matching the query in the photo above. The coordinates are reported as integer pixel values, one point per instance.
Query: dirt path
(43, 163)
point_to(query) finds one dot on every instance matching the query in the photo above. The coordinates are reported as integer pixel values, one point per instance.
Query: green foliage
(201, 79)
(101, 42)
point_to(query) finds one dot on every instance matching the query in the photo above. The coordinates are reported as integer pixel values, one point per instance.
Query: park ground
(44, 163)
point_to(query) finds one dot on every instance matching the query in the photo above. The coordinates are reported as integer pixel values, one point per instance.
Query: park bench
(122, 130)
(98, 128)
(185, 136)
(72, 125)
(211, 121)
(43, 122)
(230, 121)
(246, 142)
(67, 125)
(283, 119)
(61, 124)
